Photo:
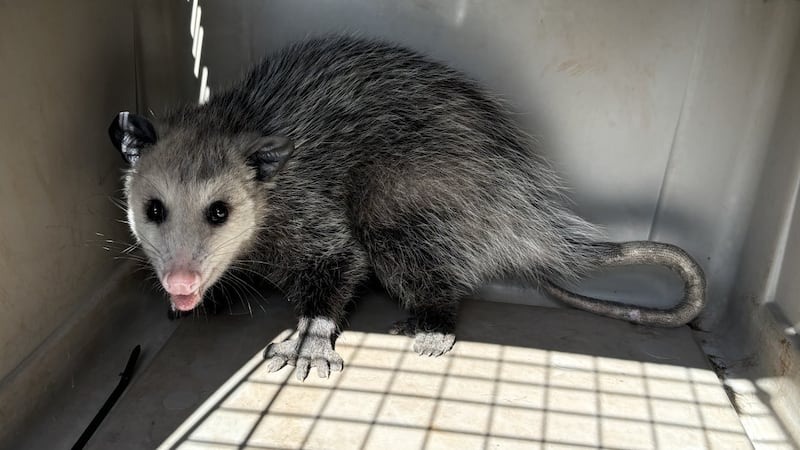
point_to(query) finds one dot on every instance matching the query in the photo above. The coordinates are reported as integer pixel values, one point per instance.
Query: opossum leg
(406, 327)
(320, 295)
(414, 269)
(313, 347)
(432, 330)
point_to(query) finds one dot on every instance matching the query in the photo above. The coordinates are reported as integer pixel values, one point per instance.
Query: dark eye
(155, 211)
(217, 213)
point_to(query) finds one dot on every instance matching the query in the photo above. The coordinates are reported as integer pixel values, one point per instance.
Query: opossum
(340, 158)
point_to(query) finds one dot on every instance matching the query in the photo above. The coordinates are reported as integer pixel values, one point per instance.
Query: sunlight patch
(479, 394)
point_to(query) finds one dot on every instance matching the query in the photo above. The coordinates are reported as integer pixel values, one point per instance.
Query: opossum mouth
(186, 302)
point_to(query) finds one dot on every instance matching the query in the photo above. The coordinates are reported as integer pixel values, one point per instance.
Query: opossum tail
(649, 253)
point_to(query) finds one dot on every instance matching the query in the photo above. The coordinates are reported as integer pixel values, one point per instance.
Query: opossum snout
(181, 282)
(183, 287)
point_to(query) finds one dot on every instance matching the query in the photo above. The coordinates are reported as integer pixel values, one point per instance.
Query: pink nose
(181, 282)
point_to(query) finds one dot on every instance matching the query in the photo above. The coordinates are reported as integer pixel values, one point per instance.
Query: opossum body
(338, 158)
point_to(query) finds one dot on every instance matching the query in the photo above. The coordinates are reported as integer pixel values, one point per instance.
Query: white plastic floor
(518, 377)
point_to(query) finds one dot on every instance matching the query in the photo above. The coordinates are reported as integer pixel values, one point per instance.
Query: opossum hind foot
(427, 341)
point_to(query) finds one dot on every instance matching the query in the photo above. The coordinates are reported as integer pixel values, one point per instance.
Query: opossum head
(195, 198)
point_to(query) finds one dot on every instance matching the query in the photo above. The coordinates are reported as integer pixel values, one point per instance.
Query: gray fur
(402, 167)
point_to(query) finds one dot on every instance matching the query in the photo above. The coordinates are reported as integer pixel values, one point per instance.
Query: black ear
(269, 156)
(130, 133)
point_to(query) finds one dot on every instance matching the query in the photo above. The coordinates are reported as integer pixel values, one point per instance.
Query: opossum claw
(302, 367)
(323, 368)
(304, 353)
(275, 363)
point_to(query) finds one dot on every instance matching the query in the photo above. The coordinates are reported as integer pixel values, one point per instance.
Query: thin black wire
(125, 379)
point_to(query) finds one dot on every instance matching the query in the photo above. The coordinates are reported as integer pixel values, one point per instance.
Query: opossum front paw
(433, 343)
(304, 353)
